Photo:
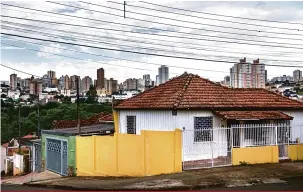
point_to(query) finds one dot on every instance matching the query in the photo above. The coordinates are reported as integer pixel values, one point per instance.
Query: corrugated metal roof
(99, 128)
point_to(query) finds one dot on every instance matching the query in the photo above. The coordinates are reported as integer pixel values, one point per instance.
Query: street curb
(178, 188)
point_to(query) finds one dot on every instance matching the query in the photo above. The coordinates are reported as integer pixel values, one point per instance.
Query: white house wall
(3, 157)
(296, 125)
(164, 121)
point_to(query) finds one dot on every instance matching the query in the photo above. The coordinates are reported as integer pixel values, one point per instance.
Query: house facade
(58, 146)
(213, 118)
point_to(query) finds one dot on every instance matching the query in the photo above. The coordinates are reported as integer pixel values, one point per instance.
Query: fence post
(276, 130)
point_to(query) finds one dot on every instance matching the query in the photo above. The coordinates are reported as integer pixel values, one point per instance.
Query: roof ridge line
(185, 86)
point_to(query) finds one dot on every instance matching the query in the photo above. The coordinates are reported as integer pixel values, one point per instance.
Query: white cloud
(11, 48)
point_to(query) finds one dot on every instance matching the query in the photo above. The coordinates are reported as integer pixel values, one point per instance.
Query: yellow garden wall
(151, 153)
(295, 152)
(255, 155)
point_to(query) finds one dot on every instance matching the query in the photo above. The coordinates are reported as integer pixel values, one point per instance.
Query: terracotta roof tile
(96, 119)
(262, 115)
(11, 151)
(190, 91)
(30, 136)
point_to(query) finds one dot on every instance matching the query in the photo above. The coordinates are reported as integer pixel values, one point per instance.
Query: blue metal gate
(56, 156)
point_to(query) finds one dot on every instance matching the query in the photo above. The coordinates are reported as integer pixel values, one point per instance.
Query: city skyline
(35, 62)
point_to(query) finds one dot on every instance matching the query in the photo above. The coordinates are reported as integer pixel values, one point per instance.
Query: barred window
(203, 129)
(131, 124)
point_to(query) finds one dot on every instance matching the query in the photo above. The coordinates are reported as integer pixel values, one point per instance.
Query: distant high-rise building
(54, 82)
(22, 83)
(130, 84)
(157, 80)
(246, 75)
(141, 85)
(51, 74)
(163, 74)
(146, 77)
(66, 82)
(297, 75)
(73, 84)
(226, 81)
(27, 81)
(35, 87)
(266, 80)
(18, 81)
(95, 82)
(100, 78)
(112, 86)
(13, 81)
(86, 83)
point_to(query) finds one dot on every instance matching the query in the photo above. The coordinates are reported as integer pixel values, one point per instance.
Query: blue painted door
(56, 156)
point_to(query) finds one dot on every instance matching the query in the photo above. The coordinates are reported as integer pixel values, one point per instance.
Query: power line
(237, 22)
(143, 62)
(36, 50)
(136, 52)
(177, 32)
(195, 28)
(17, 69)
(70, 37)
(166, 18)
(88, 40)
(161, 17)
(207, 13)
(149, 63)
(43, 21)
(96, 62)
(175, 42)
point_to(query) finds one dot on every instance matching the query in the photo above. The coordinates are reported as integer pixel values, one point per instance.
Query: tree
(91, 94)
(3, 96)
(66, 99)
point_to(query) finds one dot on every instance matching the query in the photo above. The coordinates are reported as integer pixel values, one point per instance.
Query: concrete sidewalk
(195, 179)
(31, 177)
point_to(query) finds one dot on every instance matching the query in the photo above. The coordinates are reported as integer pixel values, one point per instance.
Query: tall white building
(157, 80)
(86, 83)
(13, 81)
(247, 75)
(146, 77)
(297, 75)
(163, 74)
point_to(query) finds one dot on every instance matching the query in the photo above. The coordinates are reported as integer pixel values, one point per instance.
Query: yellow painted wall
(116, 120)
(295, 152)
(255, 155)
(151, 153)
(84, 159)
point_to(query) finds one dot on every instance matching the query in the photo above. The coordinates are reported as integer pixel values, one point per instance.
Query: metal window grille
(131, 124)
(203, 129)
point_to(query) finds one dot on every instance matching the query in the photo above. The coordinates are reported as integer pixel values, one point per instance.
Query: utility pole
(38, 127)
(78, 114)
(19, 130)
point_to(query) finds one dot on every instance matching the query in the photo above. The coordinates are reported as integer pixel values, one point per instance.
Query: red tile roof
(11, 151)
(30, 136)
(260, 115)
(94, 120)
(190, 91)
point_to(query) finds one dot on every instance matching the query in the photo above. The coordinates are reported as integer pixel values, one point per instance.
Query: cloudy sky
(147, 29)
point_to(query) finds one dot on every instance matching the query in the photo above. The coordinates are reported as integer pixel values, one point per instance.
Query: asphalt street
(292, 184)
